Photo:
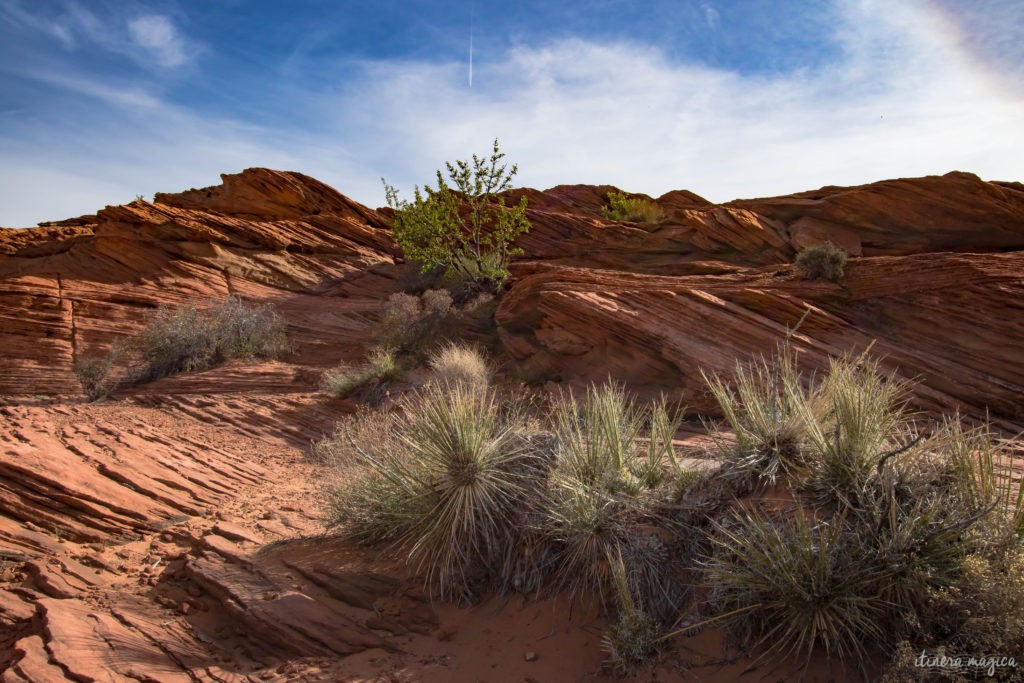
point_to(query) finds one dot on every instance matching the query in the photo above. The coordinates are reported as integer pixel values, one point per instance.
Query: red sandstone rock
(198, 459)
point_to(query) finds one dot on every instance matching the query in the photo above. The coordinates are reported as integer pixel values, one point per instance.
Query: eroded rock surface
(173, 533)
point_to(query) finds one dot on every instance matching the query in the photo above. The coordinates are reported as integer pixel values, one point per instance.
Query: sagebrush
(822, 262)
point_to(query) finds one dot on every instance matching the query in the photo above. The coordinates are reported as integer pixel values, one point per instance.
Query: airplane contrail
(470, 44)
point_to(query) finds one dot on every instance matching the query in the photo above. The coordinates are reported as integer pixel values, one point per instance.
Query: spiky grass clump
(794, 586)
(342, 380)
(601, 493)
(766, 407)
(862, 418)
(446, 488)
(458, 363)
(822, 262)
(984, 477)
(189, 338)
(634, 639)
(380, 367)
(599, 440)
(622, 207)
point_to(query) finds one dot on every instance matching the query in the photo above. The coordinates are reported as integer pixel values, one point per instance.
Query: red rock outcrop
(67, 291)
(170, 534)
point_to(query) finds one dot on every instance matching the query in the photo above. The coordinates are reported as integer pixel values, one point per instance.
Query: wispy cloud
(157, 34)
(899, 100)
(147, 38)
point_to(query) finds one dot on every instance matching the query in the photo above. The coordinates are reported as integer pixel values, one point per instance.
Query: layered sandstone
(172, 533)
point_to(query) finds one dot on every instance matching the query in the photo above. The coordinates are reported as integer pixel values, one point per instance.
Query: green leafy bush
(622, 207)
(821, 262)
(464, 227)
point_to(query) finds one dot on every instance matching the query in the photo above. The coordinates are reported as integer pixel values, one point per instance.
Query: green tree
(463, 225)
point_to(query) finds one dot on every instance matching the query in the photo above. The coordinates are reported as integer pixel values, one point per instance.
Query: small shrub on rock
(622, 207)
(93, 372)
(457, 363)
(344, 380)
(821, 262)
(189, 338)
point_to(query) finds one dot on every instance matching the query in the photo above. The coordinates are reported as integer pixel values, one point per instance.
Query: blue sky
(103, 100)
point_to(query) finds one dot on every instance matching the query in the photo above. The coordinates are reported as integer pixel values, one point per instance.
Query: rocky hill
(129, 528)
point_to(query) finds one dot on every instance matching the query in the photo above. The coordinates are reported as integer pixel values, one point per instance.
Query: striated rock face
(652, 305)
(68, 290)
(951, 322)
(172, 534)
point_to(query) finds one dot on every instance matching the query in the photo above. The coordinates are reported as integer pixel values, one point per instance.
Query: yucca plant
(792, 586)
(983, 478)
(765, 406)
(598, 439)
(862, 418)
(448, 489)
(634, 639)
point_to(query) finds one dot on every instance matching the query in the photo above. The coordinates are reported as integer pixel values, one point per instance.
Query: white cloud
(900, 101)
(158, 35)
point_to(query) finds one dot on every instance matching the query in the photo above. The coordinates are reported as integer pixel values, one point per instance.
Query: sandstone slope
(172, 533)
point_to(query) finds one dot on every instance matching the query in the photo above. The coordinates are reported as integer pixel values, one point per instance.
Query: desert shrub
(635, 637)
(861, 418)
(766, 407)
(464, 227)
(603, 493)
(189, 338)
(93, 372)
(821, 262)
(892, 522)
(380, 368)
(446, 487)
(456, 363)
(794, 586)
(981, 616)
(413, 325)
(622, 207)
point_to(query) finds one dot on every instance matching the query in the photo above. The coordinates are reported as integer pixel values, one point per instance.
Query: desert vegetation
(185, 339)
(893, 535)
(379, 370)
(463, 225)
(622, 207)
(821, 262)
